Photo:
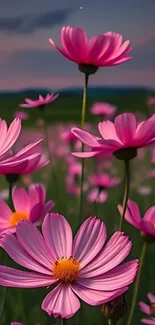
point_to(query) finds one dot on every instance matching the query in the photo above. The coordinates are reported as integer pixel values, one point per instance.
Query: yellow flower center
(66, 270)
(17, 216)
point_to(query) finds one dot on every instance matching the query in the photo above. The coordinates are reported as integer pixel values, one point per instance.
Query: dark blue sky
(28, 60)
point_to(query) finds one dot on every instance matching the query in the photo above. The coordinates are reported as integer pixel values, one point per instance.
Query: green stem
(83, 118)
(63, 321)
(111, 322)
(3, 296)
(126, 192)
(45, 128)
(136, 288)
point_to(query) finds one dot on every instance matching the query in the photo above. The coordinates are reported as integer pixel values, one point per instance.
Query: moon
(81, 7)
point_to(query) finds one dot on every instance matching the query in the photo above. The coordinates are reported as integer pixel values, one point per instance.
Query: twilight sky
(28, 60)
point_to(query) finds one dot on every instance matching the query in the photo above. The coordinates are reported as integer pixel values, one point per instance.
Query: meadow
(24, 304)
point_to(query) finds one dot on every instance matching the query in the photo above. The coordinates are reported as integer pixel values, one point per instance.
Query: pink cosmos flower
(144, 190)
(101, 183)
(25, 161)
(100, 50)
(103, 109)
(132, 215)
(151, 101)
(82, 267)
(42, 101)
(21, 115)
(69, 137)
(8, 135)
(123, 133)
(148, 310)
(72, 179)
(29, 205)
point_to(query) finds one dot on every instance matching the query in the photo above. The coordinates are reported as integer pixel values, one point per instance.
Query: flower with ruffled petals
(40, 102)
(148, 310)
(82, 267)
(98, 51)
(101, 182)
(132, 216)
(103, 109)
(121, 138)
(29, 205)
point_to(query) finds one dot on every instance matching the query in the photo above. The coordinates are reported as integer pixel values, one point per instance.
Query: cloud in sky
(30, 23)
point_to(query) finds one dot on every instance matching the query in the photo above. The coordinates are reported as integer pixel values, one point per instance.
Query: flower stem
(111, 322)
(45, 129)
(83, 118)
(126, 192)
(135, 293)
(3, 295)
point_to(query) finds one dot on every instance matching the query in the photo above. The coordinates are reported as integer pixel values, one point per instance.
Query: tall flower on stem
(101, 183)
(84, 267)
(146, 227)
(41, 103)
(90, 54)
(122, 139)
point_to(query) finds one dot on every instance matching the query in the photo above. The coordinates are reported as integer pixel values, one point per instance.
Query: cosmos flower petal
(96, 297)
(115, 251)
(61, 302)
(20, 199)
(89, 240)
(150, 215)
(108, 131)
(151, 297)
(144, 308)
(125, 125)
(48, 206)
(10, 277)
(117, 278)
(11, 245)
(86, 154)
(148, 321)
(10, 136)
(5, 214)
(33, 243)
(132, 214)
(56, 226)
(87, 138)
(147, 227)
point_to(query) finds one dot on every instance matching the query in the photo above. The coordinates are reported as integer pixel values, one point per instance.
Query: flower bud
(115, 309)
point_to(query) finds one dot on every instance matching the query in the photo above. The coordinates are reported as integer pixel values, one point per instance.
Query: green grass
(66, 109)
